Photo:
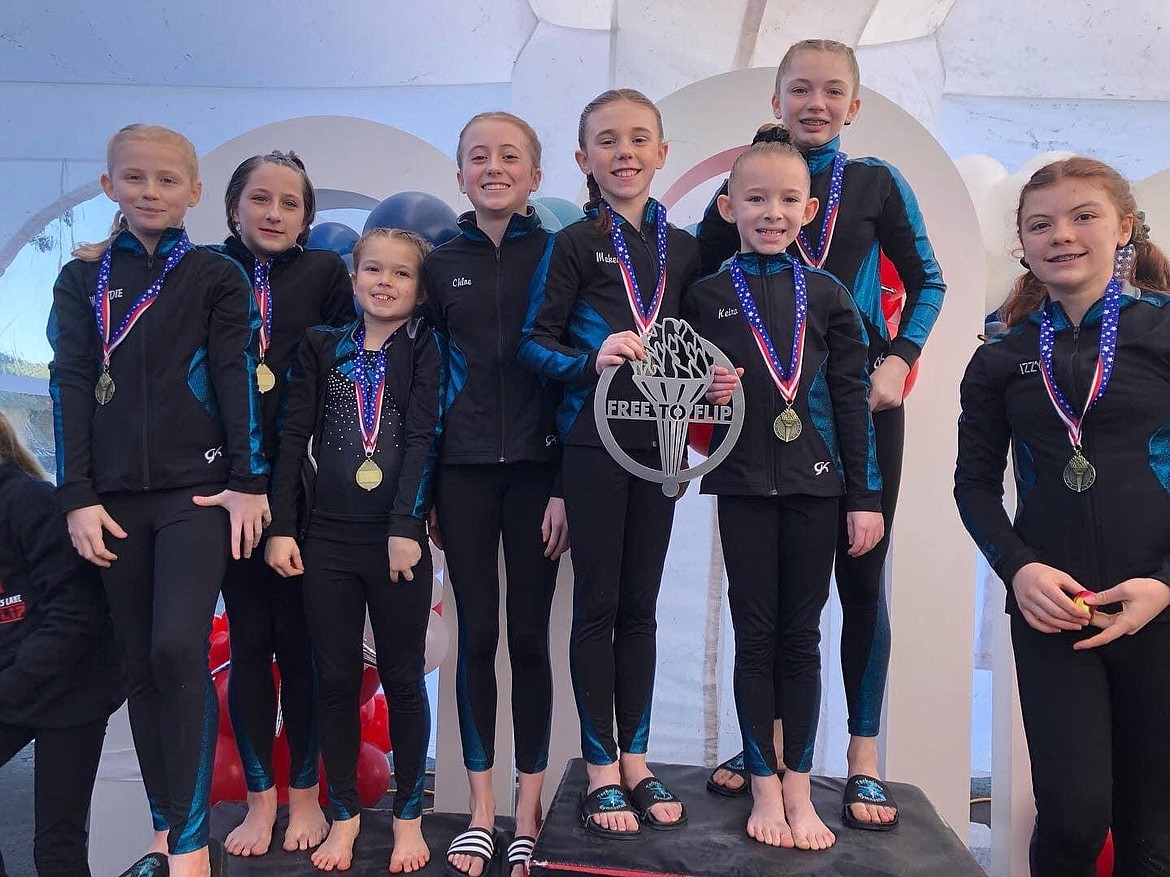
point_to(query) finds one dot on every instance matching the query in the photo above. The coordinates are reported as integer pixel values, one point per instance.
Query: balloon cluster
(227, 778)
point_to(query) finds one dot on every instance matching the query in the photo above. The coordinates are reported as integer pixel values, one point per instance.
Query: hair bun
(772, 133)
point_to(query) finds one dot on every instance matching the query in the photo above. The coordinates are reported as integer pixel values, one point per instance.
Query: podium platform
(713, 844)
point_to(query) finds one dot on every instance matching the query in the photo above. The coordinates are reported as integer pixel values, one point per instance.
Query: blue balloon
(548, 220)
(334, 236)
(692, 229)
(566, 211)
(419, 212)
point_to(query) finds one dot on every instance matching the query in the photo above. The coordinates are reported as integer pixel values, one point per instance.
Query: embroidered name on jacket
(11, 607)
(1030, 368)
(728, 312)
(607, 258)
(461, 281)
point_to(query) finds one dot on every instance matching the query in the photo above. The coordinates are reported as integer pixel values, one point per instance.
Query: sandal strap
(606, 799)
(520, 850)
(735, 764)
(649, 792)
(863, 789)
(475, 841)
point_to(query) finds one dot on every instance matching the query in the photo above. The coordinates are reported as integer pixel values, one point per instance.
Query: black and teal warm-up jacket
(878, 214)
(185, 410)
(1120, 527)
(578, 300)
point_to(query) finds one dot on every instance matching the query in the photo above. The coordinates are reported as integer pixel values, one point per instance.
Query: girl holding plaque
(270, 205)
(153, 382)
(1078, 388)
(805, 455)
(497, 467)
(610, 277)
(356, 457)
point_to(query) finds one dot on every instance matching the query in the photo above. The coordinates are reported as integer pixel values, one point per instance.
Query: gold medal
(104, 391)
(1079, 474)
(369, 475)
(787, 425)
(265, 379)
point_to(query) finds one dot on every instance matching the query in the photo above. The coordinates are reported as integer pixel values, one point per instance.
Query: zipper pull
(497, 254)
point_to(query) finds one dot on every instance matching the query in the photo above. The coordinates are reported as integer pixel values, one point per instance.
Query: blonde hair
(417, 242)
(137, 131)
(604, 223)
(501, 116)
(765, 148)
(1151, 270)
(13, 453)
(832, 47)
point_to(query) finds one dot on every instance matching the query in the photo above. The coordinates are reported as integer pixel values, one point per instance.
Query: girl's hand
(404, 554)
(284, 555)
(865, 530)
(888, 383)
(723, 385)
(1140, 599)
(249, 516)
(85, 531)
(554, 529)
(433, 530)
(1044, 595)
(619, 347)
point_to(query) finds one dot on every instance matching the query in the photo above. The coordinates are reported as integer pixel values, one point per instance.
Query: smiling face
(816, 97)
(154, 185)
(1070, 232)
(622, 147)
(386, 280)
(767, 199)
(497, 168)
(271, 209)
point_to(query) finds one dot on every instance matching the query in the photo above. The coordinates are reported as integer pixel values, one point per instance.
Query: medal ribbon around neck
(816, 258)
(101, 300)
(369, 390)
(644, 317)
(263, 293)
(1106, 349)
(787, 380)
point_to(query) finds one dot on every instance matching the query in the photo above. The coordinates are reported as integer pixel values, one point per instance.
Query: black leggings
(341, 582)
(267, 617)
(475, 505)
(778, 552)
(1097, 723)
(865, 619)
(620, 527)
(162, 591)
(65, 768)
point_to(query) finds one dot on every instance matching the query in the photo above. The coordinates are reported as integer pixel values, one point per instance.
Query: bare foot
(410, 852)
(482, 805)
(633, 771)
(766, 822)
(194, 864)
(253, 836)
(610, 775)
(307, 825)
(336, 853)
(863, 759)
(528, 812)
(808, 831)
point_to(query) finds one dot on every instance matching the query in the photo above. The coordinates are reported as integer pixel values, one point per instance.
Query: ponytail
(13, 453)
(604, 222)
(94, 252)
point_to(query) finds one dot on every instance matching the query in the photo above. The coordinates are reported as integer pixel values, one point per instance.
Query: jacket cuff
(867, 502)
(590, 375)
(76, 496)
(408, 527)
(905, 350)
(1007, 567)
(255, 484)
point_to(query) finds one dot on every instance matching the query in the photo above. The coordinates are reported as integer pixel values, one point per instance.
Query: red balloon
(227, 776)
(221, 695)
(219, 650)
(373, 775)
(280, 767)
(370, 683)
(1105, 860)
(376, 729)
(699, 437)
(893, 298)
(219, 623)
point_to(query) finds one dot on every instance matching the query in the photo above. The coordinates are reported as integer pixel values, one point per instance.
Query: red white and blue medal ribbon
(1079, 473)
(369, 391)
(263, 293)
(644, 317)
(104, 389)
(817, 258)
(786, 379)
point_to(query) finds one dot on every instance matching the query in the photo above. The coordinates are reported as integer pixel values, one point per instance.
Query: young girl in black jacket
(59, 677)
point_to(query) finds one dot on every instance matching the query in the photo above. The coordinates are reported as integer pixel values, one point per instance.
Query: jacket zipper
(500, 358)
(765, 308)
(145, 400)
(1088, 501)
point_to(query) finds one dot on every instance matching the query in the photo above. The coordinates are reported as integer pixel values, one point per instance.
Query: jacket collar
(126, 242)
(759, 263)
(520, 225)
(649, 214)
(821, 158)
(235, 247)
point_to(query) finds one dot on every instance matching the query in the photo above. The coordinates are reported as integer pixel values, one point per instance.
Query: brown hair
(501, 116)
(13, 453)
(832, 47)
(420, 245)
(603, 222)
(138, 131)
(239, 182)
(1151, 270)
(776, 148)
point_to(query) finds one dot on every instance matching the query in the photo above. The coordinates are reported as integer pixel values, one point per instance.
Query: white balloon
(436, 591)
(438, 640)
